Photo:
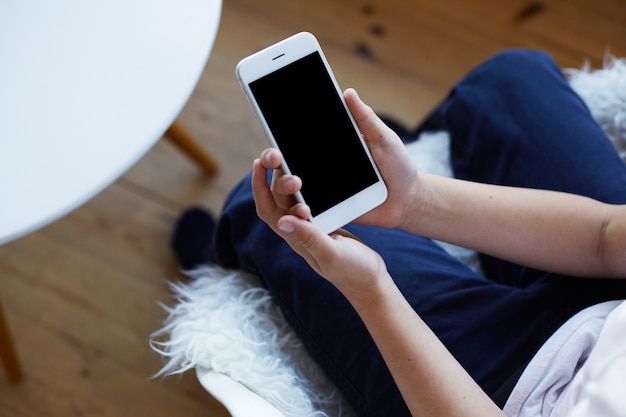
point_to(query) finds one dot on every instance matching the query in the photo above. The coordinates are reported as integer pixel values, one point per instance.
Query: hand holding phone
(293, 92)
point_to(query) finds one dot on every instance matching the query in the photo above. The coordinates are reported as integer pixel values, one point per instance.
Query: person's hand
(394, 163)
(339, 257)
(405, 198)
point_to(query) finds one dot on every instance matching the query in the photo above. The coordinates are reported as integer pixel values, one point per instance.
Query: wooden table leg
(8, 353)
(181, 138)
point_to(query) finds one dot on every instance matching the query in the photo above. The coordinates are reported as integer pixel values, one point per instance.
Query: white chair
(234, 396)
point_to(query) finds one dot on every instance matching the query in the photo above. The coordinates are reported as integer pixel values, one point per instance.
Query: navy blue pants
(514, 121)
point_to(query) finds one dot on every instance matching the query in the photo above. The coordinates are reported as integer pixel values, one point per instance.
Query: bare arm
(547, 230)
(432, 383)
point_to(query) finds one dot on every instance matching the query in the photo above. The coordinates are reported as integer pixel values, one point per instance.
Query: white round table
(86, 89)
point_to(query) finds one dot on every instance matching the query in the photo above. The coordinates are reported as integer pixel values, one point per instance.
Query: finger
(284, 184)
(300, 210)
(374, 130)
(284, 187)
(271, 158)
(344, 233)
(263, 198)
(306, 239)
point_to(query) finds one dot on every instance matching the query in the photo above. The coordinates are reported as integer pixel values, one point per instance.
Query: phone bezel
(272, 59)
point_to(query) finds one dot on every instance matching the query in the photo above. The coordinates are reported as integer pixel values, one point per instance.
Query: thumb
(307, 240)
(374, 130)
(300, 231)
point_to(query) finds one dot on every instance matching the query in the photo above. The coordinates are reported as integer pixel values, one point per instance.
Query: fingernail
(286, 226)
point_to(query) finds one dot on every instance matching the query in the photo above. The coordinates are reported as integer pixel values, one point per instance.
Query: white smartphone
(293, 92)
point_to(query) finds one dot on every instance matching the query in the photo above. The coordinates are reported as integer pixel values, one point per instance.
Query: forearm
(547, 230)
(431, 381)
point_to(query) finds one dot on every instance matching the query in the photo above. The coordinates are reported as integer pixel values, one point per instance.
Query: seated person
(402, 327)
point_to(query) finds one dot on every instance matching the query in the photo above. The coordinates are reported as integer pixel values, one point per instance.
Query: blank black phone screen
(313, 130)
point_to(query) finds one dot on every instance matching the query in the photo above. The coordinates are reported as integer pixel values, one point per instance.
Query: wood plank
(82, 297)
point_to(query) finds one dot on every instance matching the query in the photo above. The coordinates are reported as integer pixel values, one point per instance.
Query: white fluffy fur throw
(604, 92)
(223, 320)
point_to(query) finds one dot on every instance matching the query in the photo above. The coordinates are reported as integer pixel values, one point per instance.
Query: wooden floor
(81, 294)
